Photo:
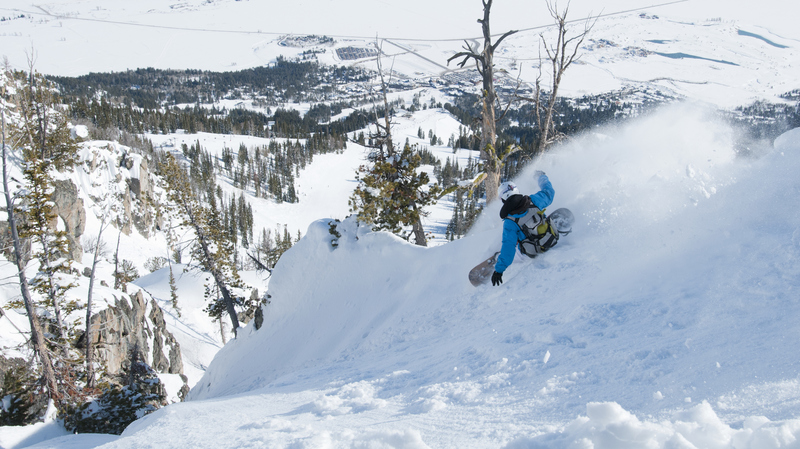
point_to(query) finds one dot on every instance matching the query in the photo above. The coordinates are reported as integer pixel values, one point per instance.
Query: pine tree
(391, 193)
(173, 291)
(37, 340)
(16, 397)
(42, 130)
(125, 274)
(266, 248)
(212, 246)
(44, 137)
(141, 393)
(52, 244)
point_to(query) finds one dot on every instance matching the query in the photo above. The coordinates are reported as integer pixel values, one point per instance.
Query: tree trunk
(52, 291)
(116, 259)
(89, 347)
(489, 134)
(488, 149)
(213, 269)
(222, 331)
(493, 162)
(419, 232)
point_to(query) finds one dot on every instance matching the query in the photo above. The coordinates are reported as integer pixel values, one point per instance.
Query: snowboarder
(524, 222)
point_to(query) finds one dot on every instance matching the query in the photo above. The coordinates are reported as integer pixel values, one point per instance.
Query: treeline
(267, 171)
(763, 120)
(104, 114)
(289, 123)
(270, 170)
(518, 125)
(153, 88)
(466, 207)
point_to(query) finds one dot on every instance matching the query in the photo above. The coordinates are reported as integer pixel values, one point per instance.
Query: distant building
(352, 53)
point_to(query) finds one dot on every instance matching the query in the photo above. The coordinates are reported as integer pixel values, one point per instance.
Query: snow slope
(325, 186)
(666, 319)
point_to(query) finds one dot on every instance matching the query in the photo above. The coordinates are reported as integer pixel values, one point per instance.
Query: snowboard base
(483, 271)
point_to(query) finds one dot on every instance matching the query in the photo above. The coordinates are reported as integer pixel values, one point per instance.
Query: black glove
(497, 278)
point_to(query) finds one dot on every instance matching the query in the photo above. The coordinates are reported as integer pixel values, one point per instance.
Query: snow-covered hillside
(666, 319)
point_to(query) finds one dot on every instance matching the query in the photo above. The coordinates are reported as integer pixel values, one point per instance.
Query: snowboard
(562, 219)
(483, 271)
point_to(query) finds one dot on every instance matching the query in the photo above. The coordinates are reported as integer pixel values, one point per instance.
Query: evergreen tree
(392, 192)
(266, 248)
(44, 137)
(42, 130)
(52, 246)
(16, 397)
(37, 339)
(125, 274)
(212, 245)
(141, 393)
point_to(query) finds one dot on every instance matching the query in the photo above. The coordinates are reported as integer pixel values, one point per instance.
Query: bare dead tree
(484, 62)
(560, 56)
(89, 338)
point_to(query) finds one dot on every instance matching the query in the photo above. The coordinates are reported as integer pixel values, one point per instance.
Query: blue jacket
(512, 233)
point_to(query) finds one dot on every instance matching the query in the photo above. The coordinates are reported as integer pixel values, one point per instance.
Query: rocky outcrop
(138, 197)
(162, 339)
(8, 244)
(70, 210)
(134, 323)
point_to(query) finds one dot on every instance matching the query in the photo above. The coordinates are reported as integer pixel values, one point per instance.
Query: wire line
(211, 30)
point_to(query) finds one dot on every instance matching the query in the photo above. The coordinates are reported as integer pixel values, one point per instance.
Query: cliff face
(70, 209)
(113, 179)
(134, 322)
(110, 169)
(138, 197)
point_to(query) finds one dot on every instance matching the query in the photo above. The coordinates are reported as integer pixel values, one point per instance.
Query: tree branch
(508, 33)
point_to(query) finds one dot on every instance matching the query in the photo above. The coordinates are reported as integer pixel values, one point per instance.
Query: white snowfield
(728, 53)
(667, 319)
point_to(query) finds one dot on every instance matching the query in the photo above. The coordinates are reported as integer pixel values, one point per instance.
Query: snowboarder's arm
(545, 196)
(507, 251)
